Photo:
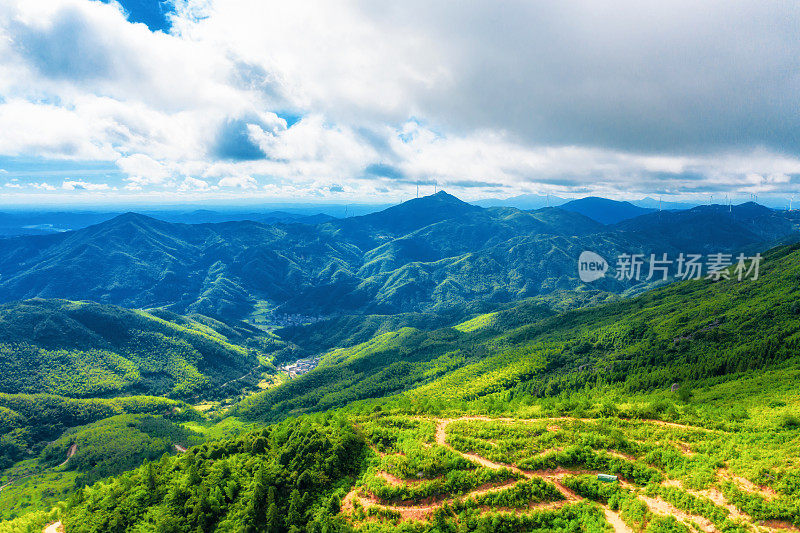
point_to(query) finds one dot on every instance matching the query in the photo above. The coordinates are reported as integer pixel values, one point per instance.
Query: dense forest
(27, 422)
(289, 477)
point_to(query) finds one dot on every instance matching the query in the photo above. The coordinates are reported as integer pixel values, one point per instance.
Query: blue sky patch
(153, 13)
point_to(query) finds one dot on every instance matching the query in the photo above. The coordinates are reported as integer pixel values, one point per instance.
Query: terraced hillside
(477, 473)
(388, 469)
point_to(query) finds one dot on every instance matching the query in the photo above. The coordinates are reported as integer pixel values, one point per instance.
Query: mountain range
(46, 222)
(428, 254)
(689, 331)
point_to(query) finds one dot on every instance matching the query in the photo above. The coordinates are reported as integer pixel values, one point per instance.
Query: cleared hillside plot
(504, 474)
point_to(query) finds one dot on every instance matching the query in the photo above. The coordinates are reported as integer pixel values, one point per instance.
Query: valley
(432, 367)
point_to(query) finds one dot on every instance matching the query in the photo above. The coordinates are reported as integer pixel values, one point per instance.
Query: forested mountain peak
(414, 214)
(604, 210)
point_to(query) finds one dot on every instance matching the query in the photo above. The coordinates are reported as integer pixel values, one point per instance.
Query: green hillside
(499, 423)
(503, 423)
(82, 349)
(683, 333)
(276, 479)
(29, 421)
(472, 411)
(116, 444)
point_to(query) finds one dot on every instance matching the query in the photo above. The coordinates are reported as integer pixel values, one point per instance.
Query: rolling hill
(83, 349)
(683, 333)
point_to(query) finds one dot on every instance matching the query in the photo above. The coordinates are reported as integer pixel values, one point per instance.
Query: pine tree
(295, 508)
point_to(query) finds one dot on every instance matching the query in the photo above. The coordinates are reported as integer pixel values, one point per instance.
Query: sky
(339, 101)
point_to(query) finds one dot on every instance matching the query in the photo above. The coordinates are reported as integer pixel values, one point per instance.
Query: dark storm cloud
(631, 75)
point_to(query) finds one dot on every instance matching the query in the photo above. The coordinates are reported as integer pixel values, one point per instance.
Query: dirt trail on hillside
(616, 522)
(556, 476)
(447, 421)
(746, 485)
(55, 527)
(70, 453)
(713, 494)
(660, 507)
(394, 480)
(419, 512)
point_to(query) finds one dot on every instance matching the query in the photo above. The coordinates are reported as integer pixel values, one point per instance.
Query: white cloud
(43, 186)
(541, 97)
(54, 131)
(142, 170)
(312, 148)
(78, 185)
(193, 184)
(243, 182)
